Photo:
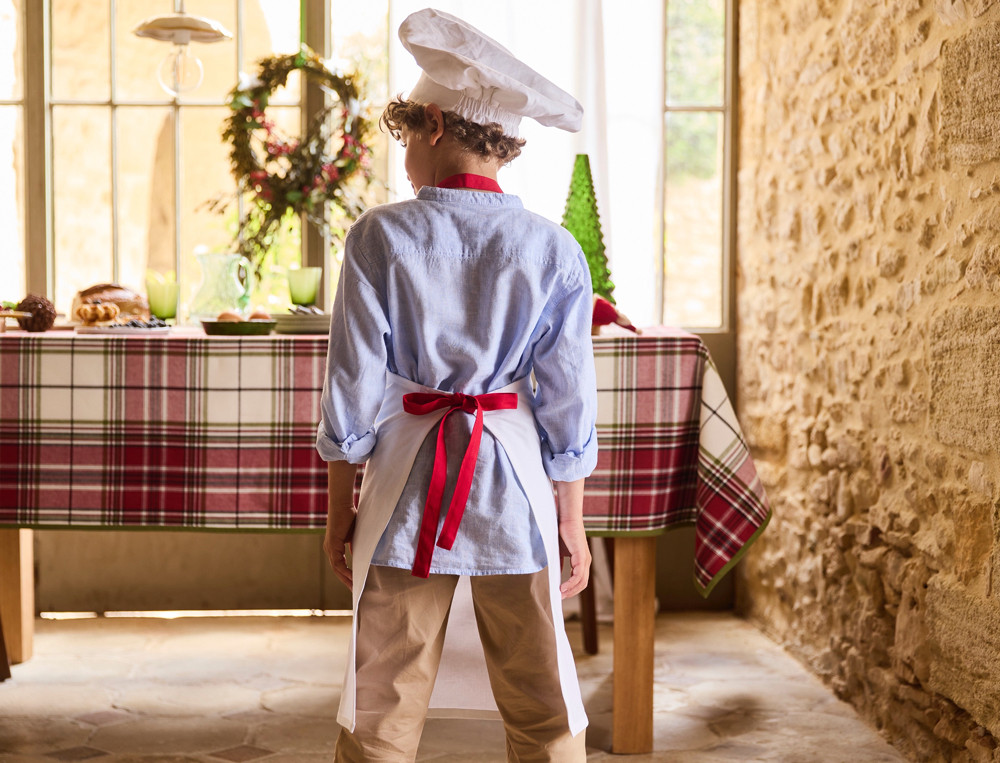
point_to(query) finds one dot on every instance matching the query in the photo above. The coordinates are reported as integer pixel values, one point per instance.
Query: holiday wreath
(289, 176)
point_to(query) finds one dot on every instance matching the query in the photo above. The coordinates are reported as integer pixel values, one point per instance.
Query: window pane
(692, 293)
(272, 27)
(205, 176)
(81, 190)
(10, 44)
(696, 52)
(359, 34)
(139, 59)
(145, 192)
(218, 58)
(286, 251)
(359, 39)
(12, 284)
(80, 50)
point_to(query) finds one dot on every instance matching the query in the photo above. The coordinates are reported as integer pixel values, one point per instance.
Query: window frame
(37, 149)
(720, 340)
(38, 213)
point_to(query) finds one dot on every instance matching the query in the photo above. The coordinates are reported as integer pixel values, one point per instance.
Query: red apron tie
(420, 404)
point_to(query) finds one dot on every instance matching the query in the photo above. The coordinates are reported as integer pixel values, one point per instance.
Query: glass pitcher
(221, 287)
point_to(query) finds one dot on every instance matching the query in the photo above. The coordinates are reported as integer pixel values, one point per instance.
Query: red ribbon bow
(420, 404)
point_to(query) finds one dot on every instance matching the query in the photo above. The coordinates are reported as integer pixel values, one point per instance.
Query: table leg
(635, 590)
(17, 592)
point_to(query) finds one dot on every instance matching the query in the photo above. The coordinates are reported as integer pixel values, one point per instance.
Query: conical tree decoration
(581, 219)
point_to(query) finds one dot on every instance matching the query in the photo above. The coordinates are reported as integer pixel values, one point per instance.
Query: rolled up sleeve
(354, 383)
(566, 397)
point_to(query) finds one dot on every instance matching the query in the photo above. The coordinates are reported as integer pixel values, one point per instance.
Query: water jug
(221, 286)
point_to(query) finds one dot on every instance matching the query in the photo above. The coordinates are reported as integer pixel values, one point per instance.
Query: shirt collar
(457, 196)
(471, 182)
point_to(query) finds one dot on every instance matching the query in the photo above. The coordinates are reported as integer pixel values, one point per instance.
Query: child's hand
(569, 506)
(575, 541)
(339, 533)
(340, 517)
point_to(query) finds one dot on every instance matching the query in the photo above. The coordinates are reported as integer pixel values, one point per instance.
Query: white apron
(399, 436)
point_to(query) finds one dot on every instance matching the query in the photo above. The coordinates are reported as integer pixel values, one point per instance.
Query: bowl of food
(229, 323)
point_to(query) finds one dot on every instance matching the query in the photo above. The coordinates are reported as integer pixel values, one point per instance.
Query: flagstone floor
(266, 689)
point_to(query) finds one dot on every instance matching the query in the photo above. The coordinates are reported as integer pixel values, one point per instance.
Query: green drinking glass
(303, 285)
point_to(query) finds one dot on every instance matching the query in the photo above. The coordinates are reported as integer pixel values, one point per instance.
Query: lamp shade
(180, 29)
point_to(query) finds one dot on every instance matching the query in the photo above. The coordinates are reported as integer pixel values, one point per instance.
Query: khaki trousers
(401, 627)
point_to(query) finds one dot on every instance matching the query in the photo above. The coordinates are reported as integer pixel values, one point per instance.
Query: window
(132, 168)
(12, 264)
(694, 167)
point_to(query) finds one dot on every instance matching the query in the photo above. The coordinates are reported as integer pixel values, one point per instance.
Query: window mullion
(661, 183)
(39, 276)
(315, 241)
(112, 63)
(240, 23)
(178, 186)
(730, 143)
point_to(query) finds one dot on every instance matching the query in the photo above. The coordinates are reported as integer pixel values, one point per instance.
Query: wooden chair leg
(588, 615)
(4, 662)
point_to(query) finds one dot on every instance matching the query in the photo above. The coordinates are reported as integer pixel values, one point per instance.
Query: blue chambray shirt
(463, 291)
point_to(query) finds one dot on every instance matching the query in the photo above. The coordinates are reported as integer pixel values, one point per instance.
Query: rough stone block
(964, 639)
(970, 99)
(965, 375)
(983, 270)
(973, 537)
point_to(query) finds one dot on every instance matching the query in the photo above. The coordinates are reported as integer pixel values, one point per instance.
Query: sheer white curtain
(611, 61)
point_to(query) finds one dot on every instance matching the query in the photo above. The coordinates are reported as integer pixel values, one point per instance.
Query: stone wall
(869, 353)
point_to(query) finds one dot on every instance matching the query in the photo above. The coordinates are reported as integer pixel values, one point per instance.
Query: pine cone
(43, 313)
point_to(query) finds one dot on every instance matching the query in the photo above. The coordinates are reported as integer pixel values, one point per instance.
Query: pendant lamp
(181, 71)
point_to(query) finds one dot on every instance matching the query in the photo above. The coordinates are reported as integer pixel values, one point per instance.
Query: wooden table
(671, 454)
(184, 430)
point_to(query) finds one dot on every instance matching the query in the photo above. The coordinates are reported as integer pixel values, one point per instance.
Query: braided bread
(95, 312)
(130, 304)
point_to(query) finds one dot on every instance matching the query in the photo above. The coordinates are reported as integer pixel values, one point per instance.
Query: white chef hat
(466, 72)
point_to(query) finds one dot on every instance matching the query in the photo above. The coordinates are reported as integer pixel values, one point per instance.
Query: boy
(445, 307)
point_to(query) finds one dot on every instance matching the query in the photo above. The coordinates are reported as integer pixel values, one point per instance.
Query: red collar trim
(470, 182)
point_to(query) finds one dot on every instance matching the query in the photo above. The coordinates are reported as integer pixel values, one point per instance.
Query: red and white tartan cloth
(191, 431)
(180, 430)
(671, 451)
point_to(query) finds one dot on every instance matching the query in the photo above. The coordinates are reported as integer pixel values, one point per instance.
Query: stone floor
(266, 689)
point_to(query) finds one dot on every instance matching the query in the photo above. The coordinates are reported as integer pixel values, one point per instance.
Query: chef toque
(467, 73)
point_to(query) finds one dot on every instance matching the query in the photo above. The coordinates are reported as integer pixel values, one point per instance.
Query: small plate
(237, 328)
(5, 314)
(122, 330)
(302, 324)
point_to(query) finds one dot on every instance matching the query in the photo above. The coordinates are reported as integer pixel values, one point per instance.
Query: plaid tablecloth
(671, 451)
(181, 430)
(191, 431)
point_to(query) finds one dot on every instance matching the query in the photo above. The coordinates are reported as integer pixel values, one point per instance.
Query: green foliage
(692, 145)
(695, 72)
(280, 175)
(695, 51)
(283, 252)
(582, 220)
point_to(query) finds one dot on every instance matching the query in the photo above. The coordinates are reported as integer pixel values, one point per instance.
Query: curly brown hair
(486, 141)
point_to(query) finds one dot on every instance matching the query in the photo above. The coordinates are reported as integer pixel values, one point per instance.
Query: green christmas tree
(581, 219)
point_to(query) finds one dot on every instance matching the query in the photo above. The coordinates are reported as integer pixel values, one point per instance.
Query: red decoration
(605, 313)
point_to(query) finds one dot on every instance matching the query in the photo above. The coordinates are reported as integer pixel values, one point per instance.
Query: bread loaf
(97, 313)
(130, 304)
